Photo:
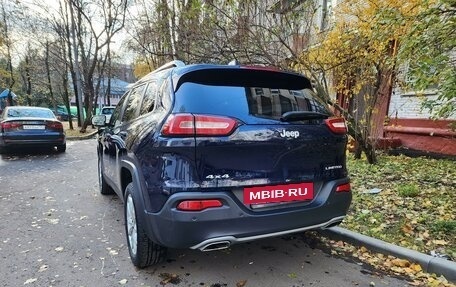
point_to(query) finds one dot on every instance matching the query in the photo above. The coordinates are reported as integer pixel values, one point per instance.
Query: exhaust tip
(216, 246)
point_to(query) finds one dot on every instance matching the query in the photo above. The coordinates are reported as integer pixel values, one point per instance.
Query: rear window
(30, 113)
(248, 94)
(241, 101)
(107, 111)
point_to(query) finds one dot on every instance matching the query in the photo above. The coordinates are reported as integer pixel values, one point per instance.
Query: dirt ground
(76, 130)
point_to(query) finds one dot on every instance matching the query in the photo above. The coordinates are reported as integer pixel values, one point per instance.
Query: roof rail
(233, 63)
(172, 64)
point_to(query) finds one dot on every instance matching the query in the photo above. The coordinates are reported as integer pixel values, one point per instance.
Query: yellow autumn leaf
(439, 242)
(416, 267)
(400, 262)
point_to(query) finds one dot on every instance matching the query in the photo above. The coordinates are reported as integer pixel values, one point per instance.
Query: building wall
(409, 105)
(415, 129)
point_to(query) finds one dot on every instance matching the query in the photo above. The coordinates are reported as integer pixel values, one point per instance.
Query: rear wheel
(105, 189)
(143, 251)
(61, 148)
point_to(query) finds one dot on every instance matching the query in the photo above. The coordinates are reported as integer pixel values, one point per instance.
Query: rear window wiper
(302, 116)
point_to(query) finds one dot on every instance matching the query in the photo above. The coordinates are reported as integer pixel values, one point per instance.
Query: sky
(23, 36)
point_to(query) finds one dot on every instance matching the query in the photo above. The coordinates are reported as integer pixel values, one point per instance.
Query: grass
(416, 207)
(408, 190)
(75, 132)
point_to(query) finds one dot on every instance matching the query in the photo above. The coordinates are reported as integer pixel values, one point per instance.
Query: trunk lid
(281, 133)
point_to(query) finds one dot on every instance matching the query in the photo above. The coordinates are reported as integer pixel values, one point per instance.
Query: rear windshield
(30, 113)
(241, 101)
(107, 111)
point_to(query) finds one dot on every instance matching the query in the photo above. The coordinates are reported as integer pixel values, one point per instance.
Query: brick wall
(409, 105)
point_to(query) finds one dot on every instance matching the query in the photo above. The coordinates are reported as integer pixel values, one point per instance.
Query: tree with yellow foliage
(358, 57)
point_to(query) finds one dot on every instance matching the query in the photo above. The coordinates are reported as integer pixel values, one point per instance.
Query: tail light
(54, 126)
(336, 125)
(198, 205)
(10, 126)
(198, 125)
(346, 187)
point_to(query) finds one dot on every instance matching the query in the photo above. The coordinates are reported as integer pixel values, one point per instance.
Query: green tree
(429, 47)
(357, 59)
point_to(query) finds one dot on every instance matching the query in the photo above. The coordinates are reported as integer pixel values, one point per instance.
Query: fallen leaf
(416, 267)
(241, 283)
(400, 262)
(439, 242)
(30, 281)
(43, 268)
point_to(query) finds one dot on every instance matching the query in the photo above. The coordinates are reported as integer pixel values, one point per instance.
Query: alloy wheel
(131, 225)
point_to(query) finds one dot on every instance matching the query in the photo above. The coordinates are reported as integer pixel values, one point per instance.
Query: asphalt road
(57, 230)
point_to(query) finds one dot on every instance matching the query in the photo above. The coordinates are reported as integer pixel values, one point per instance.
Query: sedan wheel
(61, 148)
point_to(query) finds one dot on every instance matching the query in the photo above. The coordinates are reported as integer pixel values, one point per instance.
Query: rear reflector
(198, 205)
(343, 188)
(198, 125)
(336, 125)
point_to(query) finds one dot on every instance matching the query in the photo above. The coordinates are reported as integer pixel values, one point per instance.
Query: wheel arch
(129, 173)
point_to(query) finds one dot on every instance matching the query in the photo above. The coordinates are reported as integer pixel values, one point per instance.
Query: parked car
(30, 127)
(107, 111)
(206, 156)
(62, 114)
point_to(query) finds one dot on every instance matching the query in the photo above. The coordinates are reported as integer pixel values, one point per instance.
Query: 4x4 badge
(217, 176)
(289, 134)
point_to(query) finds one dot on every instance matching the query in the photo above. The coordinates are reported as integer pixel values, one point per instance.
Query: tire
(143, 251)
(61, 148)
(104, 188)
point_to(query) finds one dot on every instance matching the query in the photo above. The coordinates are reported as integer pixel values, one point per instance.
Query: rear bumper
(234, 223)
(32, 141)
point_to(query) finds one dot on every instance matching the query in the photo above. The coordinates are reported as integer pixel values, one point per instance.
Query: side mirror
(99, 120)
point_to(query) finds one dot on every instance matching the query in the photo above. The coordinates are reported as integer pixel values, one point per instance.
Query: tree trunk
(49, 83)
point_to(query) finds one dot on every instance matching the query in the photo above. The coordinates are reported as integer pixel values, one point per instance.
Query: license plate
(33, 127)
(279, 193)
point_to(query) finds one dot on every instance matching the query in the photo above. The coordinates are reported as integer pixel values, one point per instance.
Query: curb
(84, 137)
(430, 264)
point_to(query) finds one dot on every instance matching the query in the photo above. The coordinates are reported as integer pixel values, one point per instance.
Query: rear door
(119, 135)
(282, 134)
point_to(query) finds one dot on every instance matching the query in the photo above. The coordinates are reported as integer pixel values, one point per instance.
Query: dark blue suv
(206, 156)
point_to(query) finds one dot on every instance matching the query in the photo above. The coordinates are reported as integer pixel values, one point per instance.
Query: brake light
(198, 205)
(198, 125)
(346, 187)
(336, 125)
(54, 125)
(10, 125)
